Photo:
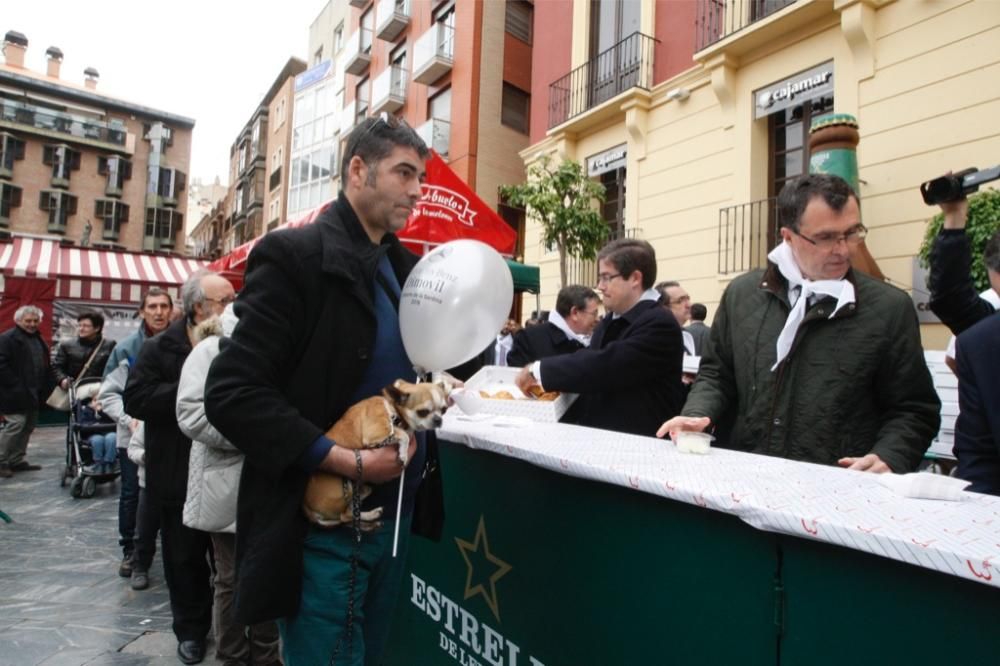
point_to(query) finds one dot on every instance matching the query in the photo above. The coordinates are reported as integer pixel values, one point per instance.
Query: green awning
(526, 278)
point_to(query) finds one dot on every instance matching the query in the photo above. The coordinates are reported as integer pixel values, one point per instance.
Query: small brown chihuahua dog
(392, 418)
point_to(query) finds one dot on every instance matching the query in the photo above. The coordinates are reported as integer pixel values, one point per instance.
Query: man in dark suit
(632, 370)
(977, 430)
(568, 329)
(318, 332)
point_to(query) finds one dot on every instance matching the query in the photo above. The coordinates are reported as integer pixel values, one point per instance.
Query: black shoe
(25, 466)
(140, 579)
(125, 568)
(191, 652)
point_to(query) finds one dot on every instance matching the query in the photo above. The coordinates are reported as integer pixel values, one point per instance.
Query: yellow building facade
(704, 150)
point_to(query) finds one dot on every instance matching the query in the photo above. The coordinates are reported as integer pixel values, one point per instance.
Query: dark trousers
(256, 645)
(147, 525)
(186, 554)
(128, 502)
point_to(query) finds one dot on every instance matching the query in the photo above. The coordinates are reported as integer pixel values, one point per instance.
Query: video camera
(956, 186)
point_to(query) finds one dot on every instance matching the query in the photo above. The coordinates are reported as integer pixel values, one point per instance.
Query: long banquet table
(569, 545)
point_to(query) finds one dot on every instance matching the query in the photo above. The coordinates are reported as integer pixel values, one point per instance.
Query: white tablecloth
(847, 508)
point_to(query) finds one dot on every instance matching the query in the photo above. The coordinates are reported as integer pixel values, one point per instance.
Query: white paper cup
(693, 442)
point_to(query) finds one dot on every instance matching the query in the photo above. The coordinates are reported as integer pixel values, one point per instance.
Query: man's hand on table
(868, 463)
(687, 423)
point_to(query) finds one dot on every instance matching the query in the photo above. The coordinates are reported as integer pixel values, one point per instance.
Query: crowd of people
(222, 413)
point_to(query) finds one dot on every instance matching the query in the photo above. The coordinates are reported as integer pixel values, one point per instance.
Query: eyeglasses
(590, 313)
(605, 278)
(682, 299)
(828, 241)
(386, 118)
(222, 301)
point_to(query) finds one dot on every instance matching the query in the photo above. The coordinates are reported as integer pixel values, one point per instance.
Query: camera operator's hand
(955, 213)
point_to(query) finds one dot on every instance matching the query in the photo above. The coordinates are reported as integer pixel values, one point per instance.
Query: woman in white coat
(210, 505)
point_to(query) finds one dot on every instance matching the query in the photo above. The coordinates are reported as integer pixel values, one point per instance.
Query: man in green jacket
(810, 360)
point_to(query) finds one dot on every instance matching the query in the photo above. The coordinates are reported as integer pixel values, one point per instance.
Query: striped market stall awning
(88, 274)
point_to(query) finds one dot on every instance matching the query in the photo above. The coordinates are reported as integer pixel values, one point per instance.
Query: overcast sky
(210, 60)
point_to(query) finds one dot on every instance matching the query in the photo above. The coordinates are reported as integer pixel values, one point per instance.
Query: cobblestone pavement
(61, 599)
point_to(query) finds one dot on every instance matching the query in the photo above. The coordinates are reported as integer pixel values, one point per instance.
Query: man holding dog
(318, 332)
(811, 360)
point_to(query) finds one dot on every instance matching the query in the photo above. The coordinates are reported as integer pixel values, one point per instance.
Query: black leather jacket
(71, 356)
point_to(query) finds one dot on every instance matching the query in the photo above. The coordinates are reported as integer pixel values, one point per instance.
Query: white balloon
(454, 303)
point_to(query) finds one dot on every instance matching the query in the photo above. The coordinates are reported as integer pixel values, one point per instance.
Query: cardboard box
(493, 378)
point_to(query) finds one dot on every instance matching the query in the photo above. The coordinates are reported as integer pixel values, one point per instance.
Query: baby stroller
(86, 423)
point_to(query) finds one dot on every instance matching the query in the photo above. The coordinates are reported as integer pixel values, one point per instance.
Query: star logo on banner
(485, 568)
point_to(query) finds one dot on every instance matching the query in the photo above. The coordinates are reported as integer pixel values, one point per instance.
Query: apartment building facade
(458, 72)
(85, 167)
(695, 153)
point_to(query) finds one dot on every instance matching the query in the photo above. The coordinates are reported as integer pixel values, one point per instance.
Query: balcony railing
(358, 52)
(584, 271)
(433, 53)
(389, 90)
(31, 116)
(747, 232)
(627, 64)
(717, 19)
(393, 17)
(436, 133)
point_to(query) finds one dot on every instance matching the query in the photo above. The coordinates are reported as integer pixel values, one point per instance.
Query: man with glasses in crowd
(568, 329)
(811, 360)
(676, 299)
(631, 372)
(151, 396)
(318, 332)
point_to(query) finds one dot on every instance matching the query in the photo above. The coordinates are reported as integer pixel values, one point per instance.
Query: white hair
(28, 310)
(192, 292)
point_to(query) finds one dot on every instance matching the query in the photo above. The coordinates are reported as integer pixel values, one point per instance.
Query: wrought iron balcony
(393, 17)
(28, 117)
(436, 133)
(747, 232)
(627, 64)
(433, 53)
(717, 19)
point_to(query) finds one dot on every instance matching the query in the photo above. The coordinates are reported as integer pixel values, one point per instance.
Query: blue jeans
(102, 448)
(128, 501)
(319, 628)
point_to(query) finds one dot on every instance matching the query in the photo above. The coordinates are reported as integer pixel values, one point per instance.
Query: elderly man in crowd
(25, 382)
(811, 360)
(676, 299)
(154, 314)
(568, 329)
(631, 371)
(151, 396)
(87, 355)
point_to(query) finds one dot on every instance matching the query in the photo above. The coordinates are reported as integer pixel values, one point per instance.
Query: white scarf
(557, 320)
(841, 289)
